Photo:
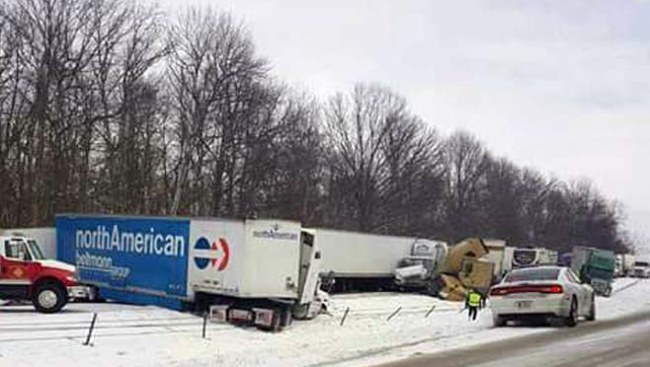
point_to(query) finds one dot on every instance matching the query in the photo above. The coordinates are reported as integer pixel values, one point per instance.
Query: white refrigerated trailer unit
(353, 261)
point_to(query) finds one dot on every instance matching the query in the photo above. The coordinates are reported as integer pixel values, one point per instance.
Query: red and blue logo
(215, 255)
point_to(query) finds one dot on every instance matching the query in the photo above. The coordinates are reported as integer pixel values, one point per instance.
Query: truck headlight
(72, 278)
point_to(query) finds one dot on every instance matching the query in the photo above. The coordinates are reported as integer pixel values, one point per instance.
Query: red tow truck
(26, 275)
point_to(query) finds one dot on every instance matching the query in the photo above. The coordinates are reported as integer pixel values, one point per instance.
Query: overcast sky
(562, 86)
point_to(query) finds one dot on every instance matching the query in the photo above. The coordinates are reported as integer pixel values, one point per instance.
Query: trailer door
(272, 259)
(310, 261)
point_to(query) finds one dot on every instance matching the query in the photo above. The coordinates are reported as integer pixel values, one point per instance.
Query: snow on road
(628, 297)
(149, 336)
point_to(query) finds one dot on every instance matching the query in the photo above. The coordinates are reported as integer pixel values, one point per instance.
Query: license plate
(241, 315)
(524, 304)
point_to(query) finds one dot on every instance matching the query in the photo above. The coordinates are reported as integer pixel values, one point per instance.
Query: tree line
(112, 106)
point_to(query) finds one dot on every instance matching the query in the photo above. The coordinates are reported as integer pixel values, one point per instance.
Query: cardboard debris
(465, 270)
(452, 289)
(469, 248)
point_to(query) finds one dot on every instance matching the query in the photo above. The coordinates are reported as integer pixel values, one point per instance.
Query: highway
(622, 342)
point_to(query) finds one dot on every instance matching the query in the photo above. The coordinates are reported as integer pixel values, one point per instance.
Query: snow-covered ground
(149, 336)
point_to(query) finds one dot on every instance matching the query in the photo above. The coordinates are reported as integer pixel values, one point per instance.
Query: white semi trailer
(360, 261)
(501, 255)
(626, 264)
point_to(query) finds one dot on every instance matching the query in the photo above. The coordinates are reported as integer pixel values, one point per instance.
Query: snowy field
(149, 336)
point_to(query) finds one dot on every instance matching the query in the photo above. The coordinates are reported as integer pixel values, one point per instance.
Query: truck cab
(641, 269)
(595, 267)
(26, 275)
(422, 265)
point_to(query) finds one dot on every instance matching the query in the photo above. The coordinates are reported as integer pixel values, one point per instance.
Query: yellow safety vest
(474, 299)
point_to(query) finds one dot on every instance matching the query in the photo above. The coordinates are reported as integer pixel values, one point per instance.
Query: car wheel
(572, 319)
(499, 321)
(49, 298)
(592, 310)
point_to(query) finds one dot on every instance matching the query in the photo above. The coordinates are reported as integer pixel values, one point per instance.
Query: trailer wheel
(287, 317)
(49, 298)
(201, 304)
(277, 321)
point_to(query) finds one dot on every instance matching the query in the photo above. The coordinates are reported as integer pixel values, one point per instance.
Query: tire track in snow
(627, 286)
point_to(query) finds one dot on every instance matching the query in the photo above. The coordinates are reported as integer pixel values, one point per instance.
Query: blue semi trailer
(262, 272)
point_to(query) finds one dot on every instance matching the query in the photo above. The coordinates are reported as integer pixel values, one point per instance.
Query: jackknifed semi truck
(257, 272)
(354, 261)
(595, 267)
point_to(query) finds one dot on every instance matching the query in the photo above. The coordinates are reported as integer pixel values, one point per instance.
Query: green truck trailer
(595, 267)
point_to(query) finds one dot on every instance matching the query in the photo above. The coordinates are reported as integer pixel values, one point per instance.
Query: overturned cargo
(469, 248)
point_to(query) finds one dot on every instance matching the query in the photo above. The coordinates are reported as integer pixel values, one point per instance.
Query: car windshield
(35, 249)
(526, 275)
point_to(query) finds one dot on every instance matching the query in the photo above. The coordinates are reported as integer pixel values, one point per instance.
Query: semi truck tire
(287, 317)
(49, 298)
(277, 321)
(201, 303)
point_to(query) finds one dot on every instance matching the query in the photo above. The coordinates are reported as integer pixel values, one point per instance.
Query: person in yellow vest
(473, 302)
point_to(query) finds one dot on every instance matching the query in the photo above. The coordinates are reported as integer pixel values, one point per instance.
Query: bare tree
(535, 192)
(414, 193)
(502, 201)
(359, 124)
(128, 91)
(467, 162)
(12, 105)
(292, 184)
(52, 49)
(217, 83)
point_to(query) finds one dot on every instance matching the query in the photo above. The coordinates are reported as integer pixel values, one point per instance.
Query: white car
(542, 293)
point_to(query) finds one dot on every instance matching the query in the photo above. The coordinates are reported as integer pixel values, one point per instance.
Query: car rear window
(526, 275)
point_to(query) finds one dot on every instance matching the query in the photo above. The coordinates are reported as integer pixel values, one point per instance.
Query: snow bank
(148, 336)
(628, 297)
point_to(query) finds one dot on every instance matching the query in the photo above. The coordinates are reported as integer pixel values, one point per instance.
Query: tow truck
(25, 275)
